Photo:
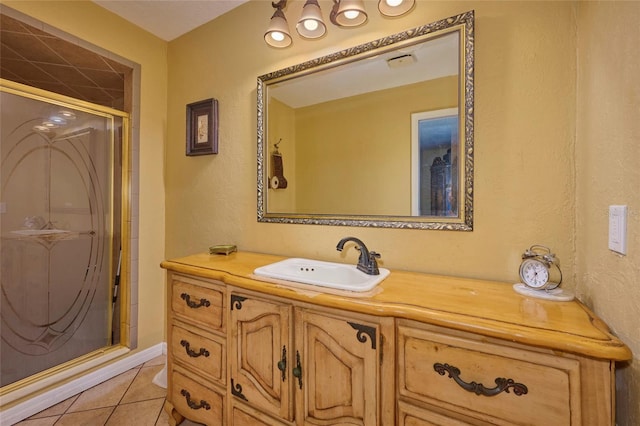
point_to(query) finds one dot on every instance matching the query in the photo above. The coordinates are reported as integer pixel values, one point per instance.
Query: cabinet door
(260, 342)
(340, 366)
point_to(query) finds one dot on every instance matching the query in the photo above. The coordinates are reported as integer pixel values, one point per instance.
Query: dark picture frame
(202, 127)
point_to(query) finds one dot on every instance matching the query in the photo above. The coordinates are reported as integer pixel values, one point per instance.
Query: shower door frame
(17, 388)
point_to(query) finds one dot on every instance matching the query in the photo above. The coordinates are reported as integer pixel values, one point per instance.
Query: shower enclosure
(61, 203)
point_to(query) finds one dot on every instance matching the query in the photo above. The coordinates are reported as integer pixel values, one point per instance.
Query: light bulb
(277, 36)
(351, 14)
(67, 114)
(58, 120)
(311, 24)
(394, 3)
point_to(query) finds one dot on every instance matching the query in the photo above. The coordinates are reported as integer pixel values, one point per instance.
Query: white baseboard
(49, 398)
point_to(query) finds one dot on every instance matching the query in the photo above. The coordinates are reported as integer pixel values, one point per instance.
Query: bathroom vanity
(416, 350)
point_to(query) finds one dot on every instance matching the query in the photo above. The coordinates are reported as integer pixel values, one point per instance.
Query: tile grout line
(66, 411)
(139, 368)
(160, 412)
(59, 417)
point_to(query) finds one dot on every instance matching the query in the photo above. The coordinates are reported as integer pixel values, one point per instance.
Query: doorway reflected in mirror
(434, 163)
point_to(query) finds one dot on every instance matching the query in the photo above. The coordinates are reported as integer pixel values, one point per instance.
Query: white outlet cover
(618, 228)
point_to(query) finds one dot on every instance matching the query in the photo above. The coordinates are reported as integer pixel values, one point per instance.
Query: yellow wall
(607, 172)
(338, 178)
(525, 114)
(525, 158)
(95, 25)
(546, 166)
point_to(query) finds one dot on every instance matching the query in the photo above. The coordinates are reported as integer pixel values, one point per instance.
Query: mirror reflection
(378, 135)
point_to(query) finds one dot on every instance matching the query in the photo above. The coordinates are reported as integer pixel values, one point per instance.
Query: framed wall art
(202, 127)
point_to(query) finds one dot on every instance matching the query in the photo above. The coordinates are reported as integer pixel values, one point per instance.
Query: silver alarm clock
(540, 269)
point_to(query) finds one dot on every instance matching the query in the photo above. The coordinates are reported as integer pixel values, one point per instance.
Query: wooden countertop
(488, 308)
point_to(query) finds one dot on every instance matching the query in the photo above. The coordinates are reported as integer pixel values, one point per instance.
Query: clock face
(534, 273)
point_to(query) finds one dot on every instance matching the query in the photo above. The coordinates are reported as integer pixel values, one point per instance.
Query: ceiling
(33, 57)
(169, 19)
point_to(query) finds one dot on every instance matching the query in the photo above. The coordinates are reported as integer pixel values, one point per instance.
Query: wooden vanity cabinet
(420, 350)
(307, 365)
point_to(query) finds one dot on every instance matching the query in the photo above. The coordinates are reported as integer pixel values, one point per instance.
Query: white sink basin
(325, 274)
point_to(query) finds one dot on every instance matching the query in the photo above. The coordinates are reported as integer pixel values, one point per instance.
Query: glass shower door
(60, 228)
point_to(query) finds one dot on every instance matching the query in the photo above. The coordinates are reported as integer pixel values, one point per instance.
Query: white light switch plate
(618, 229)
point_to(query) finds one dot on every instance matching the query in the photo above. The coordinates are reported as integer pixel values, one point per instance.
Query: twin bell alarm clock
(540, 275)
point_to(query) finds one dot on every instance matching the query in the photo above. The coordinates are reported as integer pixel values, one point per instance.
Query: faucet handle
(372, 264)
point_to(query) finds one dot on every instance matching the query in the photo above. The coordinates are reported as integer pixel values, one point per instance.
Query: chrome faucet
(367, 261)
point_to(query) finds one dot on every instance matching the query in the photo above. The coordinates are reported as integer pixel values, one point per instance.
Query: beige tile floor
(129, 399)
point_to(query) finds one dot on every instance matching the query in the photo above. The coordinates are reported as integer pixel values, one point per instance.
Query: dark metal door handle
(282, 364)
(297, 371)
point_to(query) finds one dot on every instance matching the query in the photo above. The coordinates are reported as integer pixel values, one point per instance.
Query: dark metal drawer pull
(503, 384)
(191, 352)
(194, 405)
(192, 304)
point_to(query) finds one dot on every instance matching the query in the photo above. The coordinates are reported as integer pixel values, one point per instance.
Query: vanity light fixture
(348, 13)
(344, 14)
(311, 24)
(277, 34)
(393, 8)
(61, 118)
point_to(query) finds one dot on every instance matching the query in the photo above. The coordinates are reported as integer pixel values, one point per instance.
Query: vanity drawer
(195, 401)
(198, 301)
(203, 355)
(462, 375)
(409, 415)
(242, 415)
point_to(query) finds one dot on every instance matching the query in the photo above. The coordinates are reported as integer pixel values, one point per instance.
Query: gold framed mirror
(377, 135)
